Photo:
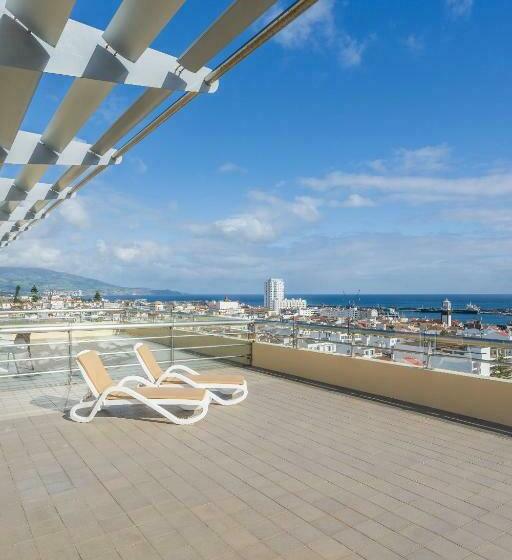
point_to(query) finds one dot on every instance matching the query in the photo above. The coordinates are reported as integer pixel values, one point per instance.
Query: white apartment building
(306, 312)
(386, 342)
(327, 347)
(368, 313)
(157, 306)
(352, 313)
(294, 303)
(224, 306)
(274, 294)
(471, 359)
(347, 349)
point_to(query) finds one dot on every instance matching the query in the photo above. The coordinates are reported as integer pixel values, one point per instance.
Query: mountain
(44, 279)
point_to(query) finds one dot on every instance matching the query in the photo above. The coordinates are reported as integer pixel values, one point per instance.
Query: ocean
(459, 301)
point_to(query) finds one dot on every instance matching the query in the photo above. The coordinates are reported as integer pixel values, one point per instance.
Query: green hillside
(44, 279)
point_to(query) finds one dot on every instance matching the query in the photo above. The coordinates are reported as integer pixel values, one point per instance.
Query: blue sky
(365, 148)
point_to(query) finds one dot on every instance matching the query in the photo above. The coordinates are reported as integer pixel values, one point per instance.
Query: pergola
(38, 36)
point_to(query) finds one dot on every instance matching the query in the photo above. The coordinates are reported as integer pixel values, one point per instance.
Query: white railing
(418, 349)
(29, 350)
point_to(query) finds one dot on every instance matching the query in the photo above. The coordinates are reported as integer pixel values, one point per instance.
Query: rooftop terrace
(295, 471)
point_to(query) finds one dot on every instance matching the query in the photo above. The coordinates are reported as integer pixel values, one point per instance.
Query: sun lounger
(224, 389)
(105, 393)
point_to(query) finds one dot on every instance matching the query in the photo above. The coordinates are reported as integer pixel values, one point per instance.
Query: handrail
(117, 326)
(387, 333)
(68, 310)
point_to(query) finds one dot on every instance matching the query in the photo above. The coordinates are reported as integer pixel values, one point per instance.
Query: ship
(470, 309)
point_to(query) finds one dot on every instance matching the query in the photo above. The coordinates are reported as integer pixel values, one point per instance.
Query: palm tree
(35, 293)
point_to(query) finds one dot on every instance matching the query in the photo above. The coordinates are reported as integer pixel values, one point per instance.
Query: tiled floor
(294, 472)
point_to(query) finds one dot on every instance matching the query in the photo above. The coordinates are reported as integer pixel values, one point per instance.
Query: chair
(224, 389)
(105, 393)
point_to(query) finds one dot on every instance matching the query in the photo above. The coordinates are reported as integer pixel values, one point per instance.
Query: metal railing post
(70, 367)
(251, 339)
(295, 341)
(172, 345)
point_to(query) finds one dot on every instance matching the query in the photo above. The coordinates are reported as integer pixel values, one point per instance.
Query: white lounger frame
(238, 392)
(98, 401)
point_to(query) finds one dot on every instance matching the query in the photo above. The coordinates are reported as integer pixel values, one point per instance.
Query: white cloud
(140, 165)
(111, 108)
(459, 8)
(27, 251)
(315, 263)
(230, 167)
(246, 227)
(476, 187)
(413, 176)
(316, 22)
(378, 165)
(306, 208)
(351, 50)
(317, 26)
(235, 253)
(128, 253)
(427, 159)
(414, 43)
(102, 246)
(269, 218)
(74, 212)
(140, 251)
(499, 219)
(355, 201)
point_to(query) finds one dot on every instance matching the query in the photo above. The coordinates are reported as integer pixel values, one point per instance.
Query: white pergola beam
(44, 18)
(50, 44)
(17, 84)
(82, 53)
(199, 53)
(81, 101)
(28, 148)
(29, 176)
(41, 191)
(68, 177)
(146, 103)
(136, 24)
(16, 90)
(231, 23)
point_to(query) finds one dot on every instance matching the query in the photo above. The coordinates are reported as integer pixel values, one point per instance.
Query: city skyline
(407, 184)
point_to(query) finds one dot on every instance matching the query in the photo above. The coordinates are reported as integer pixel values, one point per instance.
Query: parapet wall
(484, 398)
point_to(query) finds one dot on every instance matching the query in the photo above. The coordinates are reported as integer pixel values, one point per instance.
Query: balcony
(300, 470)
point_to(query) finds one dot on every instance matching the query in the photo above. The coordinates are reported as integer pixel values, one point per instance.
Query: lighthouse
(446, 313)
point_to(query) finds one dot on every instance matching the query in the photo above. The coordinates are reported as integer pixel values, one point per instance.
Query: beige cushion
(95, 370)
(163, 393)
(212, 379)
(149, 360)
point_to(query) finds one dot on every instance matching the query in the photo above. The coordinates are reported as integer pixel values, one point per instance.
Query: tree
(97, 296)
(501, 368)
(17, 294)
(35, 293)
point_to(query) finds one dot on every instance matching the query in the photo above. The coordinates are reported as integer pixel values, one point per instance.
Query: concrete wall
(458, 393)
